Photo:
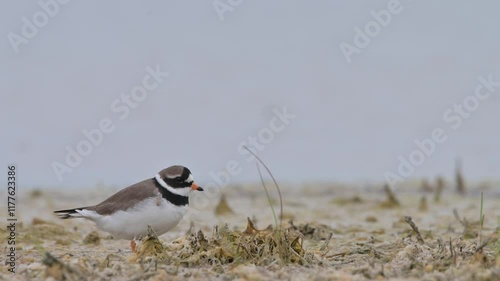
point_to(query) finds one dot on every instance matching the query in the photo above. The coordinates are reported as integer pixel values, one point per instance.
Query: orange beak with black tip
(194, 186)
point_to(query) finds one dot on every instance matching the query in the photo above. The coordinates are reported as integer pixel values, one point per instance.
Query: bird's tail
(69, 213)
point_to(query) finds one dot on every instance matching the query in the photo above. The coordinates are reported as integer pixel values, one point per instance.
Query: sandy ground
(344, 233)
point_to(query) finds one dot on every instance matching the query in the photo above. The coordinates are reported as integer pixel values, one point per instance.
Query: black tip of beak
(199, 188)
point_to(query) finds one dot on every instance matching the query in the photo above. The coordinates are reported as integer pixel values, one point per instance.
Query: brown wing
(127, 197)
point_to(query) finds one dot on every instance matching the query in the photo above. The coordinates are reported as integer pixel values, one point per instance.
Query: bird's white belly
(133, 223)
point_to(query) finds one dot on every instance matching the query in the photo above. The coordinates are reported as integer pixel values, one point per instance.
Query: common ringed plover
(160, 202)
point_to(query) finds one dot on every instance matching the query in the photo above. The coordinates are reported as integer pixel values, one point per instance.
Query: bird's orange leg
(132, 245)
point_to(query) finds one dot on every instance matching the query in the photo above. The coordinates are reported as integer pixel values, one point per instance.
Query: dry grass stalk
(275, 184)
(481, 246)
(223, 207)
(92, 238)
(409, 221)
(150, 246)
(457, 217)
(459, 177)
(481, 221)
(254, 246)
(440, 184)
(471, 229)
(278, 226)
(57, 270)
(423, 206)
(425, 186)
(392, 200)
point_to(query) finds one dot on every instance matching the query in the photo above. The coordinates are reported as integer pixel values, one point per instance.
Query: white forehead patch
(190, 178)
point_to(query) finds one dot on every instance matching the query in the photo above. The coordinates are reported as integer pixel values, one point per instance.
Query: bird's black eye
(178, 179)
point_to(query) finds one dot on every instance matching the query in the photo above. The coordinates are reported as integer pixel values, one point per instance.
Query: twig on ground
(480, 247)
(326, 247)
(452, 252)
(409, 221)
(391, 197)
(462, 222)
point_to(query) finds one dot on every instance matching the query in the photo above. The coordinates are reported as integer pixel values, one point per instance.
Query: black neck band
(177, 200)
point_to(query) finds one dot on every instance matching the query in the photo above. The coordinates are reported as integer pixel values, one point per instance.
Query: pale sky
(226, 76)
